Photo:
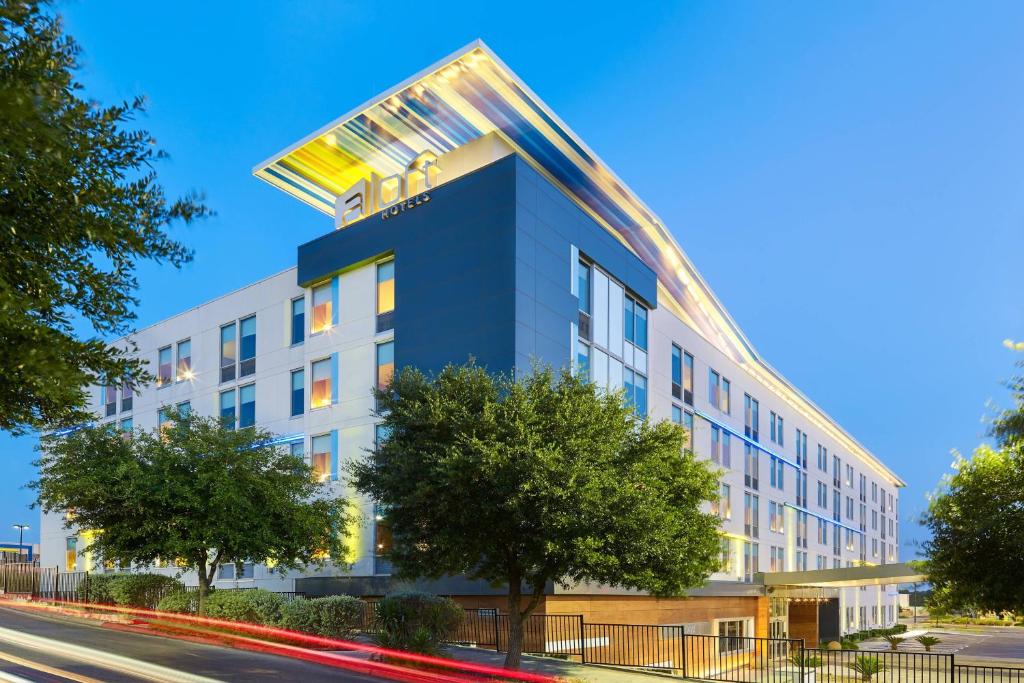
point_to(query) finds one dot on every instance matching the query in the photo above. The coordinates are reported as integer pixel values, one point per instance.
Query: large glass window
(714, 388)
(298, 392)
(635, 391)
(583, 293)
(687, 379)
(385, 296)
(298, 320)
(227, 408)
(321, 457)
(751, 417)
(677, 372)
(732, 634)
(110, 400)
(385, 364)
(381, 543)
(247, 347)
(321, 393)
(750, 467)
(716, 445)
(71, 554)
(126, 424)
(126, 397)
(228, 352)
(726, 449)
(751, 515)
(634, 321)
(322, 313)
(583, 360)
(164, 367)
(183, 369)
(297, 450)
(247, 405)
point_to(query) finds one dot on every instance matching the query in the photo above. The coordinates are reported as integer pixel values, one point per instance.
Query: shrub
(142, 590)
(928, 642)
(185, 602)
(417, 622)
(804, 660)
(334, 616)
(847, 644)
(894, 641)
(96, 588)
(340, 615)
(256, 606)
(866, 667)
(833, 645)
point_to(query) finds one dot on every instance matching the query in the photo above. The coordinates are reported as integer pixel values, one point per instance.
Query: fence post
(952, 669)
(682, 641)
(802, 661)
(583, 641)
(497, 637)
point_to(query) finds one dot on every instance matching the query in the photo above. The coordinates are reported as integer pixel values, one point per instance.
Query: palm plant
(894, 642)
(866, 667)
(928, 642)
(805, 660)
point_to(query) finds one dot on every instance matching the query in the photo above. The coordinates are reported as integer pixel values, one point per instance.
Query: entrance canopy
(877, 575)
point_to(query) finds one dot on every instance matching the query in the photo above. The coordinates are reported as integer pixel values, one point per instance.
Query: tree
(1008, 425)
(545, 479)
(973, 556)
(80, 205)
(197, 493)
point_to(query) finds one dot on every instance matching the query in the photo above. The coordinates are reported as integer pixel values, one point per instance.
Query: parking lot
(996, 642)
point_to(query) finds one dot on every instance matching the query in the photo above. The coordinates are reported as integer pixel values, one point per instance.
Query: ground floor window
(71, 554)
(732, 635)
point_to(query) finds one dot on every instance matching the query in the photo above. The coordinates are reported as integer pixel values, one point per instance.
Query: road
(41, 648)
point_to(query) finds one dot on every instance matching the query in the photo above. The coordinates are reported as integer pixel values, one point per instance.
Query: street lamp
(21, 535)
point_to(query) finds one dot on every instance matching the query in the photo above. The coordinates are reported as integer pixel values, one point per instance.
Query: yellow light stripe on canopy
(471, 93)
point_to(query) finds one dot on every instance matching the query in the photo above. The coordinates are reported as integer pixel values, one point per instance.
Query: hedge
(416, 622)
(185, 602)
(335, 616)
(256, 606)
(128, 590)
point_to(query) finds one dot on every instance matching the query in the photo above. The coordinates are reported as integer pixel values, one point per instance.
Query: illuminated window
(385, 296)
(110, 400)
(751, 515)
(725, 502)
(321, 457)
(322, 313)
(126, 397)
(71, 554)
(687, 379)
(688, 424)
(247, 346)
(228, 352)
(164, 369)
(163, 419)
(298, 392)
(385, 364)
(298, 320)
(382, 542)
(184, 367)
(677, 372)
(247, 405)
(321, 389)
(227, 408)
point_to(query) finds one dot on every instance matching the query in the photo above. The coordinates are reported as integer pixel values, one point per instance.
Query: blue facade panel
(483, 270)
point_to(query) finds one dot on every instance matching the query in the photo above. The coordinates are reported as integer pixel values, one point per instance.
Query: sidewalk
(590, 673)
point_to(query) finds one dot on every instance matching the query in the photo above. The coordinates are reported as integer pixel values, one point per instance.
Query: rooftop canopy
(470, 94)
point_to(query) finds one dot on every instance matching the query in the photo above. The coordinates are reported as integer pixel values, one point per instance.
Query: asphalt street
(37, 648)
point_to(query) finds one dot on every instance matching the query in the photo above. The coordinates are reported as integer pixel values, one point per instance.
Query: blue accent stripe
(335, 458)
(334, 377)
(284, 439)
(823, 518)
(335, 297)
(746, 439)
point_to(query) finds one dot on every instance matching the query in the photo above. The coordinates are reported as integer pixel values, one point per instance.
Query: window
(822, 495)
(801, 449)
(677, 372)
(583, 360)
(749, 561)
(228, 352)
(849, 507)
(718, 391)
(726, 555)
(635, 386)
(110, 400)
(725, 502)
(247, 347)
(321, 459)
(732, 633)
(126, 397)
(297, 450)
(321, 394)
(382, 541)
(298, 392)
(687, 379)
(801, 530)
(775, 517)
(716, 444)
(323, 316)
(227, 408)
(726, 449)
(164, 369)
(777, 480)
(385, 364)
(583, 294)
(751, 513)
(183, 370)
(822, 532)
(837, 502)
(635, 323)
(777, 429)
(298, 320)
(874, 492)
(751, 419)
(71, 553)
(385, 296)
(750, 467)
(863, 489)
(183, 409)
(247, 405)
(126, 424)
(163, 419)
(801, 488)
(849, 476)
(836, 466)
(778, 561)
(822, 458)
(688, 425)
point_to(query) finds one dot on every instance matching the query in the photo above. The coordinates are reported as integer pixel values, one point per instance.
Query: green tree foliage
(197, 493)
(416, 622)
(973, 556)
(545, 479)
(80, 206)
(1008, 426)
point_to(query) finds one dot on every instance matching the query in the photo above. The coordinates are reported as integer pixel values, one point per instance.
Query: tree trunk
(514, 655)
(204, 587)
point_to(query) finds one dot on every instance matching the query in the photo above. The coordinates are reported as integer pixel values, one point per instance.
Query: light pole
(21, 535)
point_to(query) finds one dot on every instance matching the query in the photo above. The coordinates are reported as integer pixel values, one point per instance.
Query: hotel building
(469, 221)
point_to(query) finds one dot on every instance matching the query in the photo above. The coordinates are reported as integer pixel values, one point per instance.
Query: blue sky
(847, 176)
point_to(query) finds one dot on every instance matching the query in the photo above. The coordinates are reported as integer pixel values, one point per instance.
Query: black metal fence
(885, 666)
(971, 673)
